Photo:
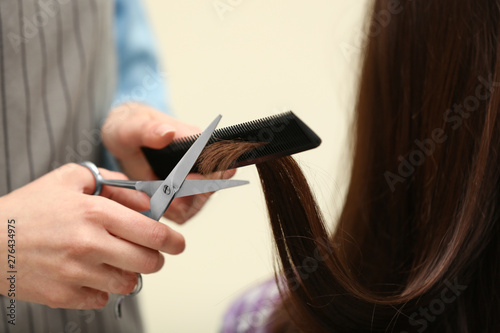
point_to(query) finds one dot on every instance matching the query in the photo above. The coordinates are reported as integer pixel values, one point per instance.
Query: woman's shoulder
(250, 312)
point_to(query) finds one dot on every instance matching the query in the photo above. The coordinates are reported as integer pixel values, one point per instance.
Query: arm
(73, 249)
(136, 120)
(140, 76)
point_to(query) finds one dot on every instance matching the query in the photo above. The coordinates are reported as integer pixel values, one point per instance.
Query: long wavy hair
(417, 246)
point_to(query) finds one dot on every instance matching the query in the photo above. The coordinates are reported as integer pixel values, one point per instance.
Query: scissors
(162, 192)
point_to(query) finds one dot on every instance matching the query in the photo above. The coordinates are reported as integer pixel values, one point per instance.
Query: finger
(132, 199)
(141, 230)
(80, 298)
(146, 132)
(88, 298)
(139, 167)
(183, 209)
(228, 173)
(131, 126)
(111, 279)
(131, 257)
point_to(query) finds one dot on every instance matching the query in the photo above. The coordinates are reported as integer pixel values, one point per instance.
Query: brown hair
(417, 245)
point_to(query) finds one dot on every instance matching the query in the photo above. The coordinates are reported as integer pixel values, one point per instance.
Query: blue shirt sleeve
(140, 76)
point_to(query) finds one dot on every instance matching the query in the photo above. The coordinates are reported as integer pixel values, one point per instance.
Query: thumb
(130, 127)
(151, 133)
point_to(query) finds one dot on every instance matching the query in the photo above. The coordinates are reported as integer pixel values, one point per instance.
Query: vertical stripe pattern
(43, 85)
(27, 95)
(62, 76)
(56, 82)
(29, 318)
(3, 95)
(95, 33)
(81, 57)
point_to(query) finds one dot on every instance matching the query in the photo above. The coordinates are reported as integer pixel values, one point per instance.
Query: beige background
(246, 60)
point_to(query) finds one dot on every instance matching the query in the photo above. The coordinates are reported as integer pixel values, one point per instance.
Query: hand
(131, 126)
(73, 249)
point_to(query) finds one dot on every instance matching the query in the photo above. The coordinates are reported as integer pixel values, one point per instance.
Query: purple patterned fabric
(251, 311)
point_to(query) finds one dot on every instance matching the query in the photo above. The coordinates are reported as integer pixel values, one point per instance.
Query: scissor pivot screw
(167, 190)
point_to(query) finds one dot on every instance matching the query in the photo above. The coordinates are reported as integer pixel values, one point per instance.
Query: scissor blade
(162, 198)
(186, 163)
(192, 187)
(148, 187)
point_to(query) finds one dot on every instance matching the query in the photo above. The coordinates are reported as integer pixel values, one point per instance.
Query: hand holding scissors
(175, 185)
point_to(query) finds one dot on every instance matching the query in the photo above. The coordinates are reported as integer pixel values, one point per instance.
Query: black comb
(284, 134)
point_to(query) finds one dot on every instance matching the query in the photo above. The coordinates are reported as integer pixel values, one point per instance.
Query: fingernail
(163, 130)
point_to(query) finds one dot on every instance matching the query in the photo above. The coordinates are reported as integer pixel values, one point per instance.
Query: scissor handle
(119, 300)
(99, 182)
(131, 184)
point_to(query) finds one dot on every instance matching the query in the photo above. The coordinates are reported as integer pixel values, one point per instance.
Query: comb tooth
(184, 143)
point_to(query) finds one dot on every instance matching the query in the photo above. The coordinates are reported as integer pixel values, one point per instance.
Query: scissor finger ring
(119, 300)
(97, 176)
(98, 188)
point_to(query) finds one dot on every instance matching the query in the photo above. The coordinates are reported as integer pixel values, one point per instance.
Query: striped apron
(57, 65)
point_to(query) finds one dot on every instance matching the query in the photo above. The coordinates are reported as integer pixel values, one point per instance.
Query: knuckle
(159, 236)
(81, 246)
(69, 167)
(69, 273)
(60, 299)
(116, 175)
(87, 209)
(115, 115)
(122, 135)
(67, 172)
(92, 210)
(96, 210)
(101, 299)
(152, 263)
(91, 299)
(122, 283)
(128, 284)
(182, 217)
